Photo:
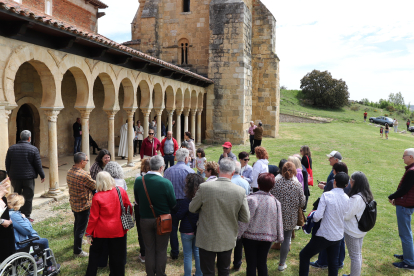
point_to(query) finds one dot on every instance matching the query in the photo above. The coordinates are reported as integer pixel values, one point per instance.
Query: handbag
(126, 216)
(310, 173)
(301, 218)
(164, 222)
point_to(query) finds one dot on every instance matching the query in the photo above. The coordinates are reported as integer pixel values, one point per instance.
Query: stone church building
(209, 65)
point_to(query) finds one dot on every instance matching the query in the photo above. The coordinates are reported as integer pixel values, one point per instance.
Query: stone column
(193, 123)
(146, 112)
(130, 137)
(170, 119)
(198, 138)
(159, 113)
(186, 113)
(52, 116)
(111, 132)
(4, 135)
(85, 133)
(178, 122)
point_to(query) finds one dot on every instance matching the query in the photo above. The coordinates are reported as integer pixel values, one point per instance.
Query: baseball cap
(227, 145)
(335, 154)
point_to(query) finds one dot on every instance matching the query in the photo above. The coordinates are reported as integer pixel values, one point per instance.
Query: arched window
(186, 5)
(48, 7)
(184, 45)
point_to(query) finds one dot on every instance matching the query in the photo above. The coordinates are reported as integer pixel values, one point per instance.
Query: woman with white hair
(105, 226)
(117, 173)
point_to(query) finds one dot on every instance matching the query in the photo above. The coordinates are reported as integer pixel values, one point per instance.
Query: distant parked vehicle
(382, 120)
(411, 129)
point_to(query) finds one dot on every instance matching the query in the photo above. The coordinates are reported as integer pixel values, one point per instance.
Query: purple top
(251, 128)
(299, 175)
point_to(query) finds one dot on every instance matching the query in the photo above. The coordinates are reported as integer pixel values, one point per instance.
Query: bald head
(169, 135)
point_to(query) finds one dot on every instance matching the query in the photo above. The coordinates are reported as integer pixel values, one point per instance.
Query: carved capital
(193, 112)
(179, 112)
(159, 111)
(130, 113)
(5, 115)
(199, 112)
(186, 112)
(170, 112)
(52, 115)
(146, 111)
(85, 113)
(111, 114)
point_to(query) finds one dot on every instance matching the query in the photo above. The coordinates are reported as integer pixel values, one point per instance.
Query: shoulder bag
(164, 222)
(126, 216)
(310, 173)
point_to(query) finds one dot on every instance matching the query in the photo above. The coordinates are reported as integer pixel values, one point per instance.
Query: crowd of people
(219, 209)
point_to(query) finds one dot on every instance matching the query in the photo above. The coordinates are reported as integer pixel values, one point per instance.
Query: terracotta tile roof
(42, 18)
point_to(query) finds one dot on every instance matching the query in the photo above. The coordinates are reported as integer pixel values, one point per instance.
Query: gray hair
(410, 152)
(156, 162)
(25, 135)
(227, 166)
(181, 154)
(79, 157)
(114, 169)
(237, 168)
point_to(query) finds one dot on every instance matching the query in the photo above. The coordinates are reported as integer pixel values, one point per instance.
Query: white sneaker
(82, 254)
(282, 267)
(141, 258)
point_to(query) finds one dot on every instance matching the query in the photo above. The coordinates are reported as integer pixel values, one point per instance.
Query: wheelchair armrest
(28, 241)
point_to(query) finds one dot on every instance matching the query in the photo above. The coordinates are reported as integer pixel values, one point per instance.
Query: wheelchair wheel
(19, 264)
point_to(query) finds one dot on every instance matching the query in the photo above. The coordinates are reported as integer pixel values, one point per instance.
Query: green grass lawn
(362, 149)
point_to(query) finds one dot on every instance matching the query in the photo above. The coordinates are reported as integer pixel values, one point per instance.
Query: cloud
(369, 44)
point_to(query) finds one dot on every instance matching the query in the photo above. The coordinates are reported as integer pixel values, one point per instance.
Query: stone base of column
(132, 164)
(52, 193)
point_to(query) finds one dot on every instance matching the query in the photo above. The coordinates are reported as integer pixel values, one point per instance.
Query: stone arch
(200, 101)
(194, 100)
(82, 87)
(179, 99)
(187, 98)
(169, 98)
(44, 64)
(111, 99)
(145, 90)
(158, 96)
(129, 95)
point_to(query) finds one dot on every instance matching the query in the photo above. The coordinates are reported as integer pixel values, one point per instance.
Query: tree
(324, 90)
(283, 87)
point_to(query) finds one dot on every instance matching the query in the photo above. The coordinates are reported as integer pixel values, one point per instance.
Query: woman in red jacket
(105, 226)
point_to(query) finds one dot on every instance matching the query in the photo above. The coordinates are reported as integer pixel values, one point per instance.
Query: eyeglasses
(86, 160)
(246, 159)
(406, 155)
(225, 148)
(150, 133)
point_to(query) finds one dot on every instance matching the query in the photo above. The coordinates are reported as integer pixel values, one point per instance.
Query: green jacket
(220, 204)
(161, 193)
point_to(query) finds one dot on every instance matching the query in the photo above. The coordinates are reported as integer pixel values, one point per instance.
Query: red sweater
(148, 148)
(105, 216)
(163, 143)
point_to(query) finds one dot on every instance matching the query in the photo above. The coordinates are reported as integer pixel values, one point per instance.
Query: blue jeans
(77, 147)
(169, 159)
(203, 175)
(406, 236)
(190, 249)
(45, 244)
(323, 255)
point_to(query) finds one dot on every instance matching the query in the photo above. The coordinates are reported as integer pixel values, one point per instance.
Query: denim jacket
(23, 229)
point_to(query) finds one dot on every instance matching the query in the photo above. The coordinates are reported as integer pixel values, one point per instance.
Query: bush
(375, 110)
(355, 108)
(391, 108)
(386, 115)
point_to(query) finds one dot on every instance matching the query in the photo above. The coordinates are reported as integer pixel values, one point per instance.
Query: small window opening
(48, 7)
(186, 6)
(184, 53)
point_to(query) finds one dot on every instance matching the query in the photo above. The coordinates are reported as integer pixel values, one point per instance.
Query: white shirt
(157, 173)
(356, 208)
(121, 183)
(261, 166)
(331, 209)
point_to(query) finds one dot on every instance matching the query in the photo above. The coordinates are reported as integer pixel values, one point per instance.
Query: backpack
(369, 216)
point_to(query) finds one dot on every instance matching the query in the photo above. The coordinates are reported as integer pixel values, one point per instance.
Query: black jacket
(189, 220)
(23, 161)
(77, 128)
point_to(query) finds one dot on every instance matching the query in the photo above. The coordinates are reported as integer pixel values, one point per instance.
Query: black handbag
(126, 216)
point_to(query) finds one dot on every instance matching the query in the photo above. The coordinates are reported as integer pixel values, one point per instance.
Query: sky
(368, 44)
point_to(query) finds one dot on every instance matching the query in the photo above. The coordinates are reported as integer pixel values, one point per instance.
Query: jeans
(406, 236)
(208, 261)
(323, 255)
(190, 249)
(45, 243)
(203, 175)
(316, 245)
(256, 256)
(77, 147)
(117, 255)
(79, 228)
(173, 236)
(155, 248)
(238, 253)
(251, 144)
(169, 159)
(25, 187)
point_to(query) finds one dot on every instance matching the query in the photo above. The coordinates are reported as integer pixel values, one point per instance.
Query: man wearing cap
(227, 152)
(322, 262)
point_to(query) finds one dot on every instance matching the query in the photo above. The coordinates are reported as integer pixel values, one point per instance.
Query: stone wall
(286, 118)
(265, 63)
(230, 68)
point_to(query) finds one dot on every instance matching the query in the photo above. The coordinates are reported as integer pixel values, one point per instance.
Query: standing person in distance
(191, 148)
(359, 195)
(200, 162)
(150, 146)
(258, 136)
(77, 134)
(123, 142)
(220, 205)
(81, 187)
(307, 161)
(403, 200)
(246, 169)
(395, 125)
(101, 160)
(261, 166)
(387, 130)
(161, 193)
(168, 148)
(139, 136)
(365, 116)
(408, 124)
(23, 165)
(188, 225)
(251, 136)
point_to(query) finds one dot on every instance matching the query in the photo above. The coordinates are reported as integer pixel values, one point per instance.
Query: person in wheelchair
(23, 229)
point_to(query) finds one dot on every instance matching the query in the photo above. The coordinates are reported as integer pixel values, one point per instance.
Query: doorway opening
(28, 119)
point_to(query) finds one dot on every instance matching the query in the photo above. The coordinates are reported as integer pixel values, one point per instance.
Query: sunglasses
(246, 159)
(150, 133)
(225, 148)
